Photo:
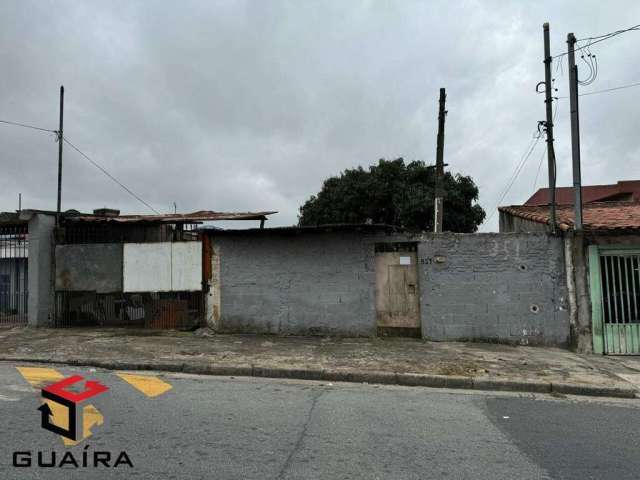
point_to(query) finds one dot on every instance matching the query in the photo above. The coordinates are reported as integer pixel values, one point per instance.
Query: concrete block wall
(309, 283)
(495, 287)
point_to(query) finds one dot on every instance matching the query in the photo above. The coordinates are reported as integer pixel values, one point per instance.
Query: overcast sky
(250, 105)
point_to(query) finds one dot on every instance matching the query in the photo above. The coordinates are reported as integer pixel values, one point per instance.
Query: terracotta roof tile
(596, 216)
(628, 190)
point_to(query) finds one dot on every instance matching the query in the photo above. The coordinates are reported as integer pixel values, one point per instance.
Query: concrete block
(593, 390)
(384, 378)
(496, 384)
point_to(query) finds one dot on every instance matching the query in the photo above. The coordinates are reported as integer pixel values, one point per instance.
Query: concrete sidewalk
(388, 361)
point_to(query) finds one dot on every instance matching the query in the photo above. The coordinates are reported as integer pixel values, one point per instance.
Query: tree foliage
(394, 193)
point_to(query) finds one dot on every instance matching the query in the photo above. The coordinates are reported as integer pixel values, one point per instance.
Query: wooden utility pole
(551, 158)
(60, 140)
(575, 132)
(438, 205)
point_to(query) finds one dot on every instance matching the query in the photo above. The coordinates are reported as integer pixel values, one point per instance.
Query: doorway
(397, 290)
(615, 299)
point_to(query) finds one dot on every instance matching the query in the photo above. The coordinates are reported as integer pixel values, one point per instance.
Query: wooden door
(397, 295)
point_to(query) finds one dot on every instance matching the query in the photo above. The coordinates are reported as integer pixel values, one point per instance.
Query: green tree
(394, 193)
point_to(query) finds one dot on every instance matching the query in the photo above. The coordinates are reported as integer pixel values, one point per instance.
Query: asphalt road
(225, 428)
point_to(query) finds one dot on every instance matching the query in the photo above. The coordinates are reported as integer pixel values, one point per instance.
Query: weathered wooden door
(397, 295)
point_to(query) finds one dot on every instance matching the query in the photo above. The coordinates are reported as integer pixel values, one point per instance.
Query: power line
(94, 163)
(535, 181)
(514, 176)
(612, 89)
(600, 38)
(555, 114)
(17, 124)
(103, 170)
(519, 168)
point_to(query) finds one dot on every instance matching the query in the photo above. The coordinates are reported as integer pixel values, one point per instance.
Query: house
(169, 271)
(133, 270)
(368, 280)
(603, 263)
(104, 268)
(627, 191)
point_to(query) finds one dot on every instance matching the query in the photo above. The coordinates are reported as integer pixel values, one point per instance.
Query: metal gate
(615, 296)
(13, 274)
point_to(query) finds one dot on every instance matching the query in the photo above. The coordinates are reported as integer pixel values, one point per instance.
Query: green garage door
(615, 298)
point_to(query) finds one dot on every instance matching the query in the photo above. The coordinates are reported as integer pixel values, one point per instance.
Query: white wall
(186, 266)
(162, 267)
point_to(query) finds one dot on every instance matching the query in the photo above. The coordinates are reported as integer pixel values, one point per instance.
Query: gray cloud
(250, 105)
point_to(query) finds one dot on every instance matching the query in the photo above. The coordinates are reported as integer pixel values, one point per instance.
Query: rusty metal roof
(194, 217)
(295, 229)
(11, 218)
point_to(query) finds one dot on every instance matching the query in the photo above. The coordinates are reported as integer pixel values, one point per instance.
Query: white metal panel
(147, 267)
(186, 266)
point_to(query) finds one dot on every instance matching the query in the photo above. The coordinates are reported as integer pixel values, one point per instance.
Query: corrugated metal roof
(10, 218)
(332, 227)
(603, 216)
(194, 217)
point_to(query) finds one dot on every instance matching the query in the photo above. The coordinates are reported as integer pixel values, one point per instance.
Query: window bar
(607, 285)
(627, 310)
(621, 317)
(634, 270)
(613, 309)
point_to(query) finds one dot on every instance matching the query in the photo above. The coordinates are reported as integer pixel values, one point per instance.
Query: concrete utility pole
(60, 140)
(575, 131)
(551, 160)
(583, 335)
(438, 206)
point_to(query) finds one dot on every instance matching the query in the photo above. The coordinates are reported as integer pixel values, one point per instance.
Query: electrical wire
(553, 120)
(599, 38)
(514, 176)
(592, 64)
(612, 89)
(17, 124)
(103, 170)
(535, 181)
(617, 32)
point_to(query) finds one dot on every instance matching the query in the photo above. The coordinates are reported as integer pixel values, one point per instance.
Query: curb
(352, 376)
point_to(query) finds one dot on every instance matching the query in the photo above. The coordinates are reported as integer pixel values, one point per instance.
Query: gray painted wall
(304, 284)
(497, 287)
(39, 266)
(89, 267)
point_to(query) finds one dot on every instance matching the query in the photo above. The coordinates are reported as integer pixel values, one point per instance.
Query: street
(187, 426)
